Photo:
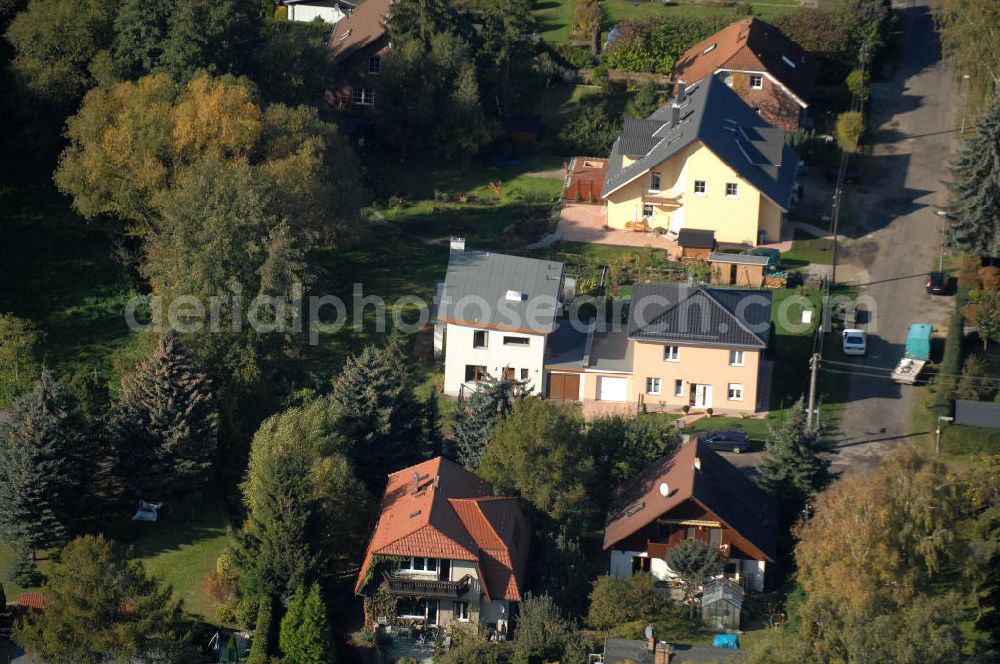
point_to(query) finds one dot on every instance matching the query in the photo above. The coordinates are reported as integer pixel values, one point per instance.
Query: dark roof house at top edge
(726, 317)
(361, 28)
(713, 114)
(712, 481)
(500, 291)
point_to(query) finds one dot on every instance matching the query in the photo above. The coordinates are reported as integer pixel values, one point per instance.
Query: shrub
(572, 56)
(655, 45)
(850, 128)
(857, 83)
(588, 132)
(616, 600)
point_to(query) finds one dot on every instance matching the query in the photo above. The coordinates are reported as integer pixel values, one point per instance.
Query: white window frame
(671, 353)
(460, 610)
(735, 187)
(653, 385)
(647, 211)
(678, 387)
(760, 81)
(510, 340)
(486, 339)
(704, 187)
(362, 96)
(737, 358)
(377, 61)
(655, 182)
(734, 392)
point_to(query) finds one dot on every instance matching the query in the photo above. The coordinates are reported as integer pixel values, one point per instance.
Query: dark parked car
(937, 283)
(728, 441)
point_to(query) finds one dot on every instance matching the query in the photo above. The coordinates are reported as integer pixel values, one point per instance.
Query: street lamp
(937, 439)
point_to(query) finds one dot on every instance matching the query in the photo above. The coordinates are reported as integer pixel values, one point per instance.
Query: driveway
(900, 238)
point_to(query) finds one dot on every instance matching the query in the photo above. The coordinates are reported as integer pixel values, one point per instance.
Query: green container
(918, 341)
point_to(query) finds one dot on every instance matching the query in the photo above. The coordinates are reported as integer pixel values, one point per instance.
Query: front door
(702, 396)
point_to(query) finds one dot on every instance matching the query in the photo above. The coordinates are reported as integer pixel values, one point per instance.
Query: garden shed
(738, 269)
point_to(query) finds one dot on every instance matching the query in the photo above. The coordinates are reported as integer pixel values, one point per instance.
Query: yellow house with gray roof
(704, 161)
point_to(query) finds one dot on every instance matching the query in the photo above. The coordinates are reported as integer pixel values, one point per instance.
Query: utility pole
(811, 410)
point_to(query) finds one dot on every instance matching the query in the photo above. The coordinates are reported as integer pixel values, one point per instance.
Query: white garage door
(612, 389)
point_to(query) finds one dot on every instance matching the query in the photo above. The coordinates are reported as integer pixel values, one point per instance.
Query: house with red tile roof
(694, 494)
(769, 71)
(446, 548)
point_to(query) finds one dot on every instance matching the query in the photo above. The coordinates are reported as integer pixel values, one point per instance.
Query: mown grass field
(60, 272)
(180, 550)
(555, 17)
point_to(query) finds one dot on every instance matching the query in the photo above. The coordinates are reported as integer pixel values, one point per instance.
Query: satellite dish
(664, 489)
(649, 631)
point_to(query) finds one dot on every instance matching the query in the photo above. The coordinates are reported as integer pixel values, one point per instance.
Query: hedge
(970, 440)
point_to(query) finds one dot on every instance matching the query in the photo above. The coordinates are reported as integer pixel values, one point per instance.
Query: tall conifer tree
(974, 210)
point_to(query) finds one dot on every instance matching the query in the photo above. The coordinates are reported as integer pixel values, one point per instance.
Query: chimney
(415, 484)
(681, 92)
(664, 653)
(697, 463)
(457, 245)
(650, 643)
(675, 114)
(437, 481)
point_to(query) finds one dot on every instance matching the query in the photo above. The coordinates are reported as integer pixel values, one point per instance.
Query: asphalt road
(899, 239)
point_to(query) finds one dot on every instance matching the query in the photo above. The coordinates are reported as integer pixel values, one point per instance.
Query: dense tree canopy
(55, 43)
(378, 411)
(538, 452)
(694, 562)
(43, 461)
(306, 637)
(305, 508)
(101, 608)
(623, 446)
(794, 466)
(166, 426)
(974, 208)
(180, 37)
(871, 562)
(476, 417)
(129, 142)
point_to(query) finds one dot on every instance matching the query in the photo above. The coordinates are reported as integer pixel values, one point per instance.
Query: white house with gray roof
(494, 314)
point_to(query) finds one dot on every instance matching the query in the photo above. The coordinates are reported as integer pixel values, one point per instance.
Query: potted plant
(686, 408)
(709, 411)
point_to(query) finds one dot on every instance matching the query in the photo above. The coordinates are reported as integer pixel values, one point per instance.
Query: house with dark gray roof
(682, 346)
(704, 161)
(693, 494)
(493, 316)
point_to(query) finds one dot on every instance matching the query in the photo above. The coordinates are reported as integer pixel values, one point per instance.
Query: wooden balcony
(418, 587)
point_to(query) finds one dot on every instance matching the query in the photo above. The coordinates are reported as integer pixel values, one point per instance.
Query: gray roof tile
(715, 115)
(702, 316)
(498, 290)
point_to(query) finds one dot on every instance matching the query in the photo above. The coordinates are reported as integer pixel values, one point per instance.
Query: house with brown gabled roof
(769, 71)
(357, 44)
(694, 494)
(446, 548)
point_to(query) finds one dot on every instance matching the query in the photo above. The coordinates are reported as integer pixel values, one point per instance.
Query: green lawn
(811, 250)
(555, 16)
(59, 272)
(180, 550)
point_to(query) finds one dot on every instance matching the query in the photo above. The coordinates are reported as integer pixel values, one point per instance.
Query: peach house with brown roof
(769, 71)
(447, 548)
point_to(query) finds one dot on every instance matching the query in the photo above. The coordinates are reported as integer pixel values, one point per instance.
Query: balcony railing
(408, 585)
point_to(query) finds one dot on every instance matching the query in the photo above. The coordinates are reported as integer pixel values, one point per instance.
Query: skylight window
(788, 61)
(347, 33)
(709, 49)
(635, 509)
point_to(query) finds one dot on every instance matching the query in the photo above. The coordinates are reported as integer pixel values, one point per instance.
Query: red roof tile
(32, 601)
(750, 45)
(453, 515)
